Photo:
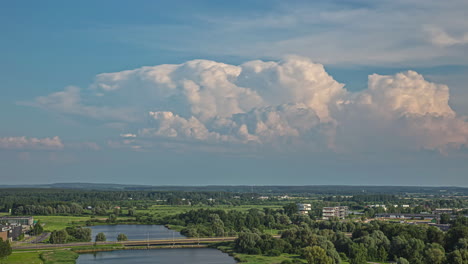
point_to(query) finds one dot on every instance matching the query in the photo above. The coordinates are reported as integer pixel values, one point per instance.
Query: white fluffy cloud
(21, 143)
(291, 102)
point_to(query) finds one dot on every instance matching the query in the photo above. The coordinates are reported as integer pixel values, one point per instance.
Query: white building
(338, 211)
(304, 208)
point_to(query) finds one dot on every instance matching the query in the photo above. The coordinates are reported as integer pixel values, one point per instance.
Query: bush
(100, 237)
(122, 237)
(255, 251)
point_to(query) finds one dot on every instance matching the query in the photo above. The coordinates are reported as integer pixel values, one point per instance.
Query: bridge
(130, 243)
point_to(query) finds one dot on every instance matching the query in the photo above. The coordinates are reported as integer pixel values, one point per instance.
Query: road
(40, 238)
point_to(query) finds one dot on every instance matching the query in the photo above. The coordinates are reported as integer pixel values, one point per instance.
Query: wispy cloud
(347, 32)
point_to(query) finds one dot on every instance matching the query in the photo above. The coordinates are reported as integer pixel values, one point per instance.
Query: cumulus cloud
(293, 102)
(32, 143)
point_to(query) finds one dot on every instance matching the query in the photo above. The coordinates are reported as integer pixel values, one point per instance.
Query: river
(163, 256)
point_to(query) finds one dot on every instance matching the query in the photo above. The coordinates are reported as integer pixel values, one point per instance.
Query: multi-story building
(21, 220)
(304, 208)
(10, 232)
(338, 211)
(443, 211)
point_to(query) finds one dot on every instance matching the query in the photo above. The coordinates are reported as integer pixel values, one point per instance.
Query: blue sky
(246, 92)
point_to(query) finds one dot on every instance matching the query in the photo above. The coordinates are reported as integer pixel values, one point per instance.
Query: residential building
(4, 234)
(22, 220)
(304, 208)
(10, 232)
(443, 211)
(338, 211)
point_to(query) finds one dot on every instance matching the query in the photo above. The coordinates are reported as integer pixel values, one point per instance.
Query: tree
(217, 225)
(382, 254)
(357, 254)
(402, 261)
(37, 229)
(435, 235)
(434, 254)
(454, 235)
(316, 255)
(112, 218)
(100, 237)
(5, 248)
(444, 218)
(131, 212)
(122, 237)
(246, 242)
(58, 237)
(459, 256)
(290, 209)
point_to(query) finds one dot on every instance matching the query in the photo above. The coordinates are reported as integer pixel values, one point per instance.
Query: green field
(52, 223)
(59, 256)
(18, 257)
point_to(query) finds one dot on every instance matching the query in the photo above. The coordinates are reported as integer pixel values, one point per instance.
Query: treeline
(363, 198)
(76, 202)
(207, 222)
(326, 246)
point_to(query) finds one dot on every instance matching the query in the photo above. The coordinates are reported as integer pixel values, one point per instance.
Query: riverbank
(257, 259)
(69, 255)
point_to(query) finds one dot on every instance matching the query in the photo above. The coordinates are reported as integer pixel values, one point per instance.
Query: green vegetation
(122, 237)
(5, 249)
(37, 229)
(59, 257)
(52, 223)
(19, 257)
(267, 223)
(100, 237)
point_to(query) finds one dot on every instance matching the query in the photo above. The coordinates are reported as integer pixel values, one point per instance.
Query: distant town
(276, 224)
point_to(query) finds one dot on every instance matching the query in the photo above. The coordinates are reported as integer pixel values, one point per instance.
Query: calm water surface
(135, 232)
(163, 256)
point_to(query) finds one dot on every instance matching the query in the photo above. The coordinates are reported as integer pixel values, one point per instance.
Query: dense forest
(356, 242)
